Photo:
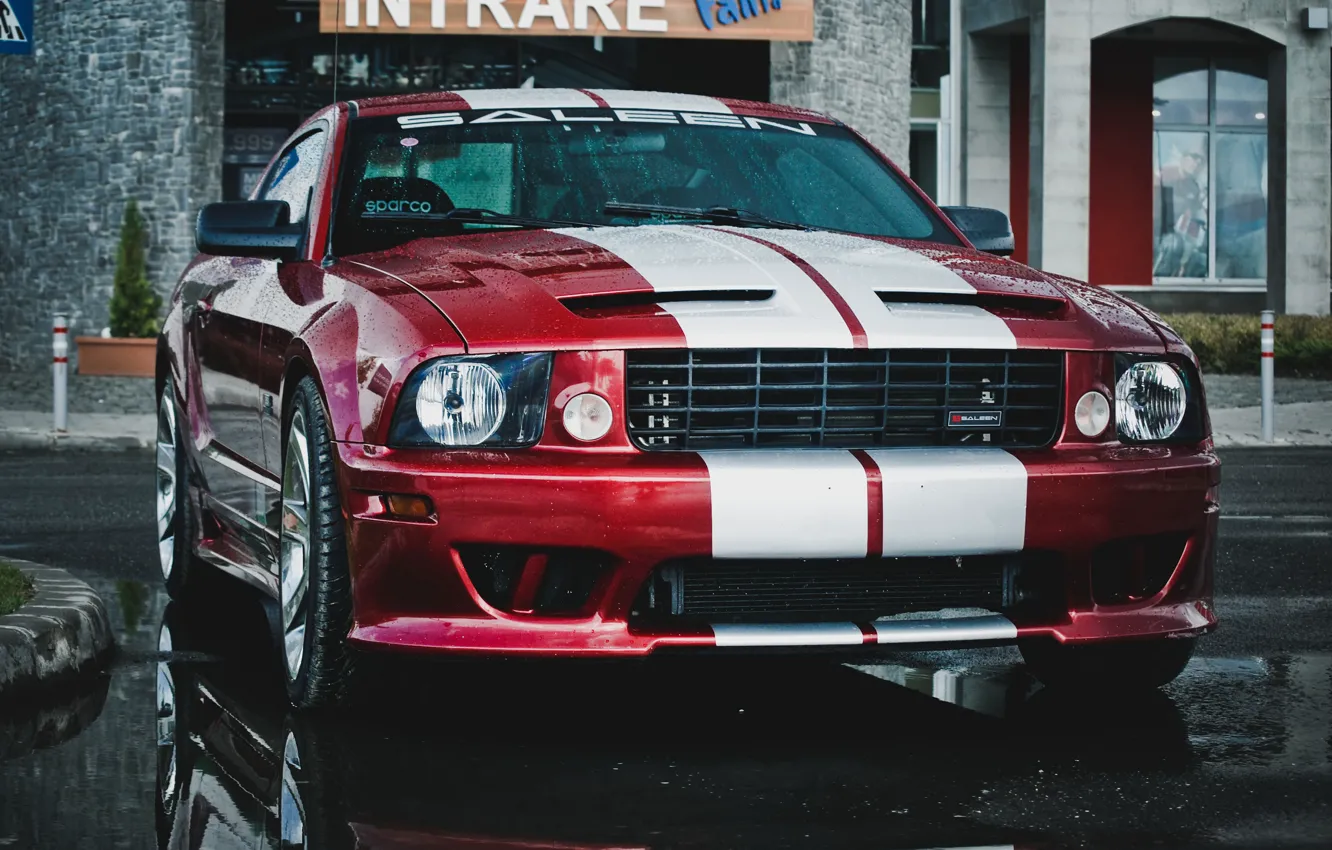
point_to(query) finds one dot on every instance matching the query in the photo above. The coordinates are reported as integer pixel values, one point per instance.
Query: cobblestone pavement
(90, 394)
(1225, 391)
(87, 394)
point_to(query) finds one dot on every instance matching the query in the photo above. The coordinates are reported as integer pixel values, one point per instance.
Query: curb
(71, 442)
(62, 632)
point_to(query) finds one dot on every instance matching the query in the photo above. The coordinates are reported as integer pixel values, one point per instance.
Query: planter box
(132, 358)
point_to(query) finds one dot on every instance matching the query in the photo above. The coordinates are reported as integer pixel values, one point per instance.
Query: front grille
(842, 398)
(827, 590)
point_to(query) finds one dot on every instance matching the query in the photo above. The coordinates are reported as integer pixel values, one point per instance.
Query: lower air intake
(825, 590)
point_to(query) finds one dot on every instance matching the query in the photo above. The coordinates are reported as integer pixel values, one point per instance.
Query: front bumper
(640, 510)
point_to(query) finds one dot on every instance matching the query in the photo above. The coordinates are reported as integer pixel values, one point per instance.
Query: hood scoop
(618, 304)
(1010, 301)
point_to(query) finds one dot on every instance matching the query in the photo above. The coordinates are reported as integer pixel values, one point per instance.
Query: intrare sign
(767, 20)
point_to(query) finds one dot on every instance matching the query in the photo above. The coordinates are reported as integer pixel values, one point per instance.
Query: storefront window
(1241, 205)
(1209, 152)
(1181, 204)
(1180, 93)
(929, 42)
(1241, 93)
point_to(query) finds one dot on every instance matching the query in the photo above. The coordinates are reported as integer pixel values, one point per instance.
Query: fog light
(408, 507)
(587, 417)
(1092, 414)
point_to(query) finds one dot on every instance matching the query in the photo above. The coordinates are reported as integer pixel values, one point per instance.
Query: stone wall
(858, 69)
(120, 99)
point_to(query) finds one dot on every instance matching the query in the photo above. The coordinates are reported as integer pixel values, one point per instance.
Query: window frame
(310, 216)
(1212, 130)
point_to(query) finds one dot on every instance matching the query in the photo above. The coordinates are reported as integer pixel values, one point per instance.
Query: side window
(294, 174)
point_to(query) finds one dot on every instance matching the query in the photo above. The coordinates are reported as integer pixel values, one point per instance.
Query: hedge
(15, 589)
(1227, 344)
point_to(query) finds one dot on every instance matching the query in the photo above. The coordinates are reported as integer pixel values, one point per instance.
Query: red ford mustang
(607, 373)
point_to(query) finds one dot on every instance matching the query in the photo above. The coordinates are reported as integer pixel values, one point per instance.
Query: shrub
(1229, 344)
(15, 589)
(134, 304)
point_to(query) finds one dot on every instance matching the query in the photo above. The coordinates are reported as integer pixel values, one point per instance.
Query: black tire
(183, 580)
(312, 808)
(327, 670)
(175, 752)
(1129, 665)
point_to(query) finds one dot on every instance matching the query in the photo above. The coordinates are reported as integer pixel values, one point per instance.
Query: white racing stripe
(859, 269)
(683, 258)
(617, 99)
(951, 501)
(797, 503)
(526, 99)
(788, 634)
(991, 627)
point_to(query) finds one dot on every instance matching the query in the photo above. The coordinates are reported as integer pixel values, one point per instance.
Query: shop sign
(252, 145)
(15, 26)
(765, 20)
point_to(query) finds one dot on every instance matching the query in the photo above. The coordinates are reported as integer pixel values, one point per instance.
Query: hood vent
(633, 303)
(1022, 303)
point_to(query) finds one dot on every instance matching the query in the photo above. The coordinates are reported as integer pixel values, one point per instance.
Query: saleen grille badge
(975, 419)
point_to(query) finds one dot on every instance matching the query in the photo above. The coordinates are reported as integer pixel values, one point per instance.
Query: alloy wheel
(166, 485)
(291, 812)
(294, 562)
(166, 725)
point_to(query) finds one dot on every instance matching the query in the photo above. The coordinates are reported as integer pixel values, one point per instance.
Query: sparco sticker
(597, 116)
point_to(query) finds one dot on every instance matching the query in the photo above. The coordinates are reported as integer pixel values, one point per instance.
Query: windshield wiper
(714, 215)
(476, 215)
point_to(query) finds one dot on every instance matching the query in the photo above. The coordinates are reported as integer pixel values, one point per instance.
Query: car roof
(517, 98)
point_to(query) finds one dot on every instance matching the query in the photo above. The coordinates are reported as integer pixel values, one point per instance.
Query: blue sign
(16, 26)
(727, 12)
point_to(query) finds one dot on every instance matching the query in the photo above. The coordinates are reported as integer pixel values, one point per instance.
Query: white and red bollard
(60, 371)
(1268, 346)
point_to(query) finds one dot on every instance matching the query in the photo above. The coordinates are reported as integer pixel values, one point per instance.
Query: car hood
(720, 287)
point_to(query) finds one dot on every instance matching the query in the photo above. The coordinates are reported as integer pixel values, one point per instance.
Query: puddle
(190, 745)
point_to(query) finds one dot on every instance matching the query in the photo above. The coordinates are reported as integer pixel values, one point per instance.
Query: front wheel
(314, 582)
(175, 520)
(1130, 665)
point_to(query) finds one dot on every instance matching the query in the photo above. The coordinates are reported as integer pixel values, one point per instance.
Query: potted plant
(135, 307)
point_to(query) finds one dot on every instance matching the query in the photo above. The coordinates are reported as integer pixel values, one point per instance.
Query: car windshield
(444, 173)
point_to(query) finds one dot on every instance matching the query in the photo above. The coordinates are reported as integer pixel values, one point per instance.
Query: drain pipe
(60, 371)
(1268, 366)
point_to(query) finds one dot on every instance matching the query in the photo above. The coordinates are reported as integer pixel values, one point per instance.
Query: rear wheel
(315, 586)
(1130, 665)
(175, 529)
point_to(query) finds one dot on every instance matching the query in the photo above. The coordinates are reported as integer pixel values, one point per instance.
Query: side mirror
(989, 230)
(249, 229)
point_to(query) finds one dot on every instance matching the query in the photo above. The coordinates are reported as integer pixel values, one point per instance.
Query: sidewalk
(29, 429)
(1301, 424)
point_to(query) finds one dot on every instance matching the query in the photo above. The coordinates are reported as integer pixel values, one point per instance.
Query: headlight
(497, 400)
(1151, 399)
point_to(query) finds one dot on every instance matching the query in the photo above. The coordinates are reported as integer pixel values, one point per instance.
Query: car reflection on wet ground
(187, 742)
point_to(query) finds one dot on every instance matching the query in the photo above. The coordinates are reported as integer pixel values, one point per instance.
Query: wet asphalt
(192, 746)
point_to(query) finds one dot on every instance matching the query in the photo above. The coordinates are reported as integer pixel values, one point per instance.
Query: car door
(227, 328)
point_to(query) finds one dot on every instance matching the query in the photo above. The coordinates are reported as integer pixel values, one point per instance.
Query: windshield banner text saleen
(767, 20)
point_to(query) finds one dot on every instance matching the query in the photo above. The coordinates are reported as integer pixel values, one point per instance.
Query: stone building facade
(114, 104)
(128, 99)
(1034, 107)
(1078, 113)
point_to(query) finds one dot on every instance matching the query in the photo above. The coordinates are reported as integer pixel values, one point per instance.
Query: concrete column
(985, 154)
(120, 99)
(1308, 174)
(1058, 234)
(857, 69)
